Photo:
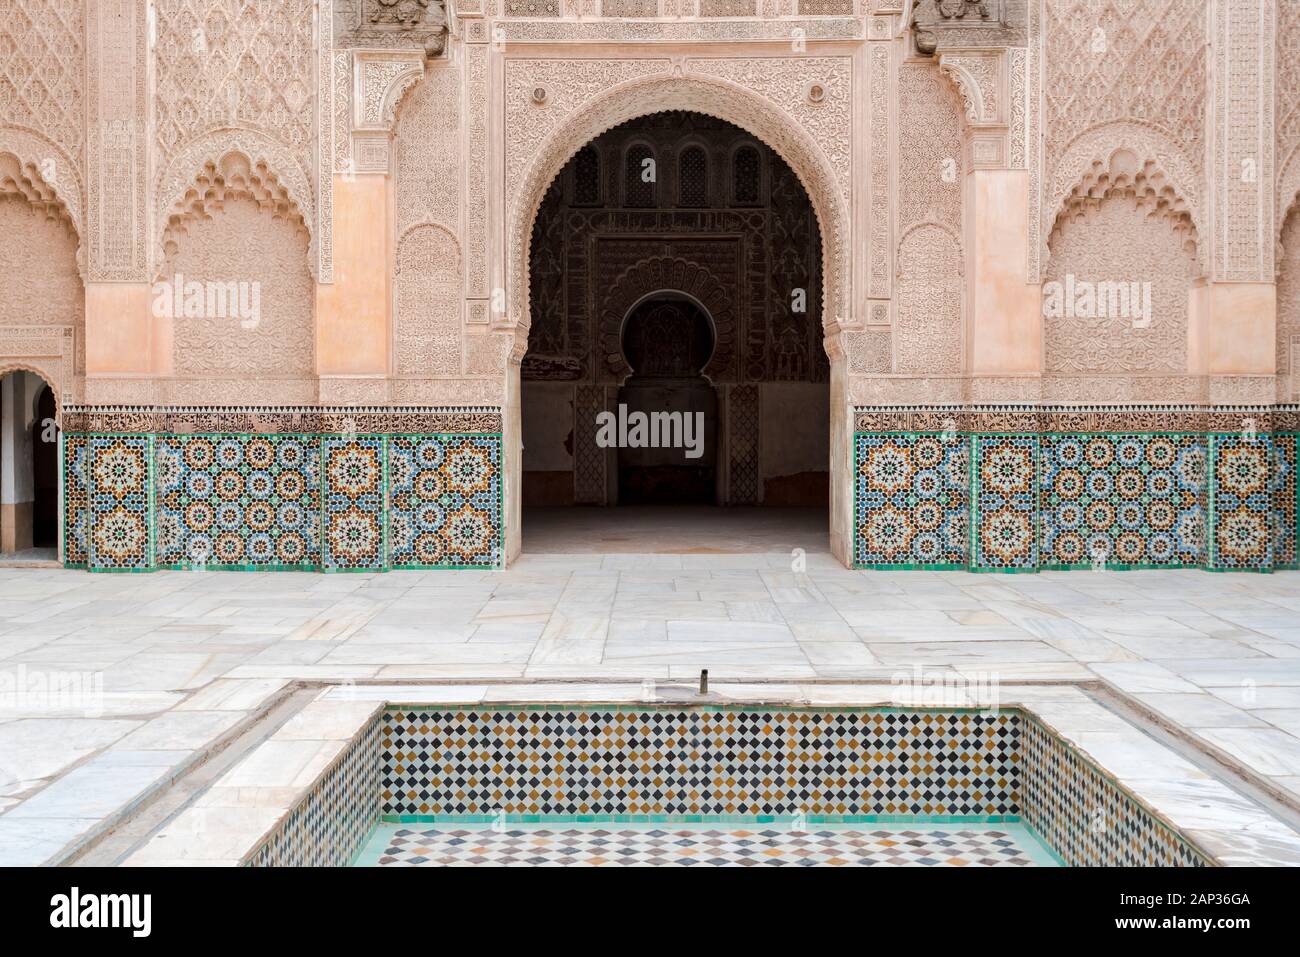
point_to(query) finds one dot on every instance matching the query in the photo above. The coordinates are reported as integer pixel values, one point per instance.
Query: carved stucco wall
(1118, 241)
(426, 313)
(1287, 105)
(1124, 74)
(1288, 309)
(39, 282)
(42, 87)
(273, 361)
(427, 195)
(927, 328)
(235, 74)
(1287, 129)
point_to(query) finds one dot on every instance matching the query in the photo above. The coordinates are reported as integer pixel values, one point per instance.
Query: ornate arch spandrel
(175, 184)
(1288, 190)
(711, 96)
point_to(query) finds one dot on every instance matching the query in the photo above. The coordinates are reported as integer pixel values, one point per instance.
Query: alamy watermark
(26, 690)
(947, 689)
(651, 430)
(1083, 299)
(178, 299)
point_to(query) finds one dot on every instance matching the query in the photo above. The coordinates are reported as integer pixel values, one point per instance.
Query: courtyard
(177, 664)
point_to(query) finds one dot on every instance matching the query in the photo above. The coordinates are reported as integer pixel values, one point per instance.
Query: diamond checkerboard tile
(667, 847)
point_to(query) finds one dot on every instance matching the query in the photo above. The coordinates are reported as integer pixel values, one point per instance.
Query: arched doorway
(668, 340)
(676, 269)
(29, 469)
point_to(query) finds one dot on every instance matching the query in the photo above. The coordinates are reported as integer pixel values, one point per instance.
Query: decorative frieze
(303, 420)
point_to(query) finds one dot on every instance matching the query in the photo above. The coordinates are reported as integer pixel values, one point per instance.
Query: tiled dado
(577, 761)
(1084, 816)
(281, 499)
(1021, 490)
(332, 821)
(594, 762)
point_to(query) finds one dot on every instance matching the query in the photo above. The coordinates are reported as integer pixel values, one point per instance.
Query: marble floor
(111, 685)
(30, 558)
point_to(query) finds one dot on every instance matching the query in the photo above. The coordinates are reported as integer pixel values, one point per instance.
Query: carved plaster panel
(427, 303)
(476, 166)
(1090, 158)
(427, 157)
(240, 236)
(1123, 74)
(1287, 105)
(269, 162)
(42, 88)
(1242, 140)
(326, 111)
(813, 91)
(878, 273)
(1114, 243)
(49, 351)
(1288, 308)
(40, 284)
(931, 163)
(978, 75)
(673, 26)
(21, 176)
(117, 144)
(928, 323)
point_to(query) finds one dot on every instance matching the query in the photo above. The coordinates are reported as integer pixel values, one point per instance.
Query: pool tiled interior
(704, 845)
(715, 782)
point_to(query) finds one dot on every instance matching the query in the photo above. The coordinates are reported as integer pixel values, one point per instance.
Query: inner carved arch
(25, 181)
(45, 374)
(1143, 181)
(235, 175)
(668, 274)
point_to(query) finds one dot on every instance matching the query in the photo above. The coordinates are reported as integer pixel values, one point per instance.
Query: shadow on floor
(675, 529)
